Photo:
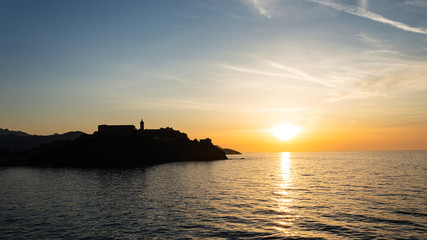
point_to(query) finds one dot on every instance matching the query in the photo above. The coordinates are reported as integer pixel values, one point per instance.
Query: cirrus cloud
(362, 12)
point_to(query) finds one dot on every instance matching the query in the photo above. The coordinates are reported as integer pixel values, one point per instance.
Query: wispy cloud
(263, 7)
(403, 78)
(388, 52)
(365, 75)
(203, 105)
(279, 70)
(387, 81)
(361, 12)
(372, 41)
(175, 78)
(299, 74)
(417, 3)
(170, 103)
(381, 46)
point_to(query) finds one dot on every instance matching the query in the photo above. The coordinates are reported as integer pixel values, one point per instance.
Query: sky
(351, 74)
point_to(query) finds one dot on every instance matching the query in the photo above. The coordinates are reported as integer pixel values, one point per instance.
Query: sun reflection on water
(284, 192)
(285, 172)
(285, 164)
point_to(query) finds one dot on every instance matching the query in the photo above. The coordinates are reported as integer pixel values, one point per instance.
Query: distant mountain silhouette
(16, 133)
(112, 146)
(17, 141)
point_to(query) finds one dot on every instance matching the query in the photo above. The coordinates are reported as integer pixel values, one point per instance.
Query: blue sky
(213, 68)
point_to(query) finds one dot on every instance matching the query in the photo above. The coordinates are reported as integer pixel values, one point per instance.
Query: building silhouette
(116, 130)
(165, 134)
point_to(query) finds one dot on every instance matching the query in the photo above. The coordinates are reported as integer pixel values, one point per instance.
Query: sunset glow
(285, 131)
(213, 119)
(351, 74)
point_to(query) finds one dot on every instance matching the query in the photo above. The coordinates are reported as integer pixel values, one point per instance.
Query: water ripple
(360, 195)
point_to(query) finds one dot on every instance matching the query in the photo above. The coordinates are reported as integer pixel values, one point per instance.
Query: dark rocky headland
(117, 146)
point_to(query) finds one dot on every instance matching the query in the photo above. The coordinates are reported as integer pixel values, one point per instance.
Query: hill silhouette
(16, 133)
(133, 149)
(229, 151)
(17, 141)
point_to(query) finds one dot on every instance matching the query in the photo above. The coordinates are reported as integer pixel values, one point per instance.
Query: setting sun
(285, 131)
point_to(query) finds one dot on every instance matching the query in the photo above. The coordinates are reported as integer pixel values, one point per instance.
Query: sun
(285, 131)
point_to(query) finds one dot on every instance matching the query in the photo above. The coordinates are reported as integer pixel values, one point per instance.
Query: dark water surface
(346, 195)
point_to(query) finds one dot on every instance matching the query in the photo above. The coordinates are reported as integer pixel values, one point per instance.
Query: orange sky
(353, 76)
(331, 139)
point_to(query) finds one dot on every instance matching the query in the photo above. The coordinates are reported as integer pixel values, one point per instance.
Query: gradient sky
(351, 74)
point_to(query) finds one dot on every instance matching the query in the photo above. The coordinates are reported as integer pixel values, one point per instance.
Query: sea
(289, 195)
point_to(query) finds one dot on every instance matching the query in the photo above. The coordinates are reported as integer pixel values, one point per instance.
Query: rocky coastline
(133, 149)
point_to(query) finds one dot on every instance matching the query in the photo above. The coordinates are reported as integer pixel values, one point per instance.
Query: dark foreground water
(347, 195)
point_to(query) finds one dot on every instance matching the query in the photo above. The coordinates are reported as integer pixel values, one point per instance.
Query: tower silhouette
(141, 125)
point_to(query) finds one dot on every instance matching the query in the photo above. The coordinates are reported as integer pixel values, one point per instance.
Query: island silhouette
(117, 146)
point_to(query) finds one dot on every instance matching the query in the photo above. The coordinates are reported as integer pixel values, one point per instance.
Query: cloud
(385, 52)
(299, 74)
(417, 3)
(372, 41)
(380, 73)
(361, 12)
(392, 81)
(263, 7)
(279, 70)
(403, 78)
(170, 103)
(380, 45)
(175, 78)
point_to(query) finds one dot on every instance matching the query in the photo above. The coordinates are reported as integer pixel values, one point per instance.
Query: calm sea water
(346, 195)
